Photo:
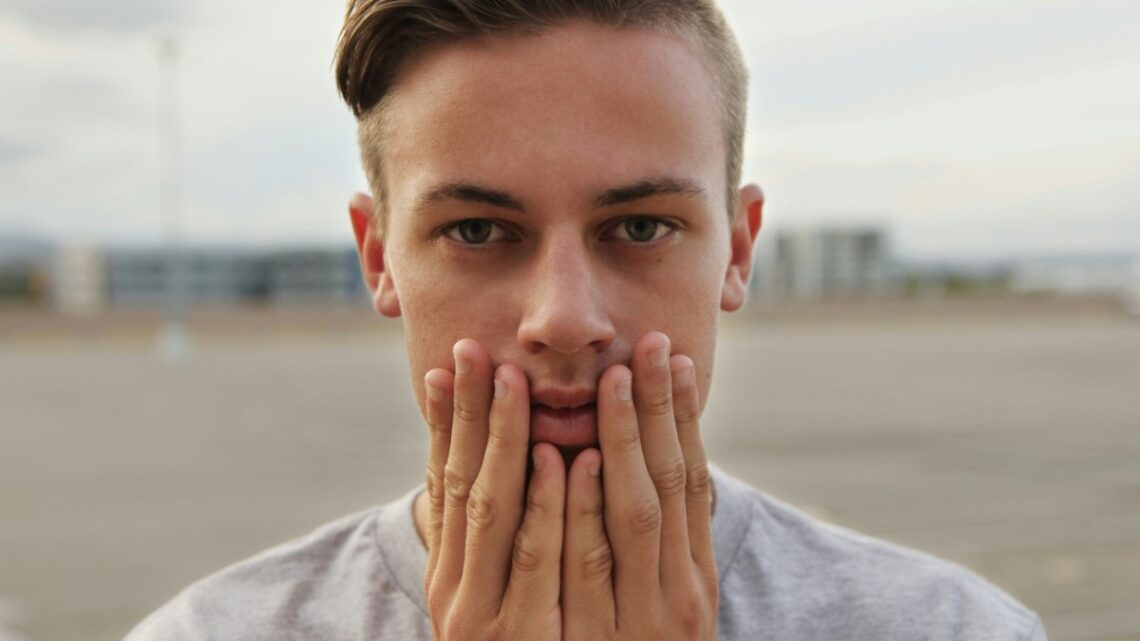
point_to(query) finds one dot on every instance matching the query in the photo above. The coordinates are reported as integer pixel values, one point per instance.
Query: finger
(653, 397)
(534, 584)
(470, 403)
(631, 509)
(698, 483)
(437, 385)
(587, 560)
(495, 505)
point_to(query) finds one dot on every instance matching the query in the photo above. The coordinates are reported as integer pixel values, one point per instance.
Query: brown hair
(378, 35)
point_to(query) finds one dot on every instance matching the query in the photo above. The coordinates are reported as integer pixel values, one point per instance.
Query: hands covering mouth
(617, 546)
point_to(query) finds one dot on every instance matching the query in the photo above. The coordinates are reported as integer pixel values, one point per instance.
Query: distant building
(78, 284)
(1112, 274)
(314, 275)
(147, 276)
(827, 262)
(25, 269)
(85, 280)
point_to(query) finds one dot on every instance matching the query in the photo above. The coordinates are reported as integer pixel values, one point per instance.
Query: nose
(564, 305)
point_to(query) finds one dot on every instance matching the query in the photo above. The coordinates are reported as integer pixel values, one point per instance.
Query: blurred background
(942, 347)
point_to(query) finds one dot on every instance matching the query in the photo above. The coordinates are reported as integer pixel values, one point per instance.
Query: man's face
(555, 197)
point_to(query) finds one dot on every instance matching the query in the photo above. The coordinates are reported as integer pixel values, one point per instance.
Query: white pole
(174, 341)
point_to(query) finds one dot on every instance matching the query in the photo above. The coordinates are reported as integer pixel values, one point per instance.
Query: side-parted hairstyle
(379, 35)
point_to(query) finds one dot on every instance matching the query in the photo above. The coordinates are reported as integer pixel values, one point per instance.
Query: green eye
(641, 229)
(475, 231)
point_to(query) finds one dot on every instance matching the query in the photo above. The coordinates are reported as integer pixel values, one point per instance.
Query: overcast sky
(970, 128)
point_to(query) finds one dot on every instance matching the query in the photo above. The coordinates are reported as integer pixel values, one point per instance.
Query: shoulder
(818, 580)
(322, 585)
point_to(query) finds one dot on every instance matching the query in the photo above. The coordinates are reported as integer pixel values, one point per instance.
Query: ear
(370, 249)
(742, 239)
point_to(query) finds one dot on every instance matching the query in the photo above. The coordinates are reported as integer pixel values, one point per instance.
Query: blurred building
(825, 262)
(941, 278)
(1113, 274)
(87, 279)
(147, 276)
(314, 275)
(25, 269)
(78, 280)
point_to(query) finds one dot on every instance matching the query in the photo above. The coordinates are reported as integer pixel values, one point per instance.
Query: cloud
(963, 124)
(114, 15)
(14, 151)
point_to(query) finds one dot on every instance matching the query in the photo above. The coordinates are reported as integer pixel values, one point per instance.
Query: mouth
(566, 421)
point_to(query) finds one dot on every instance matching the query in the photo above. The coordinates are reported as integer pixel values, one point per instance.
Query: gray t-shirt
(783, 577)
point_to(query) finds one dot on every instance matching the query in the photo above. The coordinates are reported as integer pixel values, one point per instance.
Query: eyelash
(448, 231)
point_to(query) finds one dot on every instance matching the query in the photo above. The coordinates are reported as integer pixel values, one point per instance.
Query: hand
(493, 565)
(638, 560)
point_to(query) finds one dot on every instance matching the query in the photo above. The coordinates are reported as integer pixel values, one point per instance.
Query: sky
(970, 129)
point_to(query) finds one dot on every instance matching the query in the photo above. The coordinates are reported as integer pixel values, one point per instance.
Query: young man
(555, 217)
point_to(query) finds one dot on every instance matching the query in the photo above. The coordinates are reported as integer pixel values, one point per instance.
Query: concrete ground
(1001, 436)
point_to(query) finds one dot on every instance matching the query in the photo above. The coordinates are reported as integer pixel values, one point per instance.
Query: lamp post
(173, 339)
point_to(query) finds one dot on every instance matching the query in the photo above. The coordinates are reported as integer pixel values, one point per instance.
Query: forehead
(572, 110)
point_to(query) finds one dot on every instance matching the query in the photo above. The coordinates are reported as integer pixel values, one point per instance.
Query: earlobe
(385, 299)
(370, 250)
(742, 240)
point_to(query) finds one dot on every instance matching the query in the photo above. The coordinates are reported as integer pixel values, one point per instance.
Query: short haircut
(379, 35)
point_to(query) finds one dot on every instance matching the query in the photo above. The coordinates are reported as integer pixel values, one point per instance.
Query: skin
(556, 234)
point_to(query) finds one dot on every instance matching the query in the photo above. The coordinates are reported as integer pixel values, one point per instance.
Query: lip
(564, 427)
(563, 398)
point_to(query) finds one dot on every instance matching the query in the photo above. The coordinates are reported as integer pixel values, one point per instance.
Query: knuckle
(712, 587)
(598, 562)
(436, 601)
(481, 508)
(500, 436)
(685, 414)
(588, 509)
(658, 405)
(525, 556)
(699, 480)
(629, 437)
(535, 508)
(645, 516)
(465, 411)
(455, 483)
(497, 631)
(439, 427)
(671, 478)
(691, 610)
(435, 490)
(687, 602)
(458, 627)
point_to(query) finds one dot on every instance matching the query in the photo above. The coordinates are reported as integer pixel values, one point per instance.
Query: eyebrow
(665, 186)
(647, 188)
(471, 193)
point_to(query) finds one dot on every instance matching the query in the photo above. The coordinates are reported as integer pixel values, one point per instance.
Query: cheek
(440, 309)
(684, 303)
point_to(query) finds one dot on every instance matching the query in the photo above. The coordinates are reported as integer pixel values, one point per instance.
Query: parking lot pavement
(1004, 444)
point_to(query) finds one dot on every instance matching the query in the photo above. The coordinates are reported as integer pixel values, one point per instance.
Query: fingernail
(462, 365)
(659, 357)
(593, 469)
(500, 389)
(623, 389)
(434, 393)
(537, 461)
(685, 376)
